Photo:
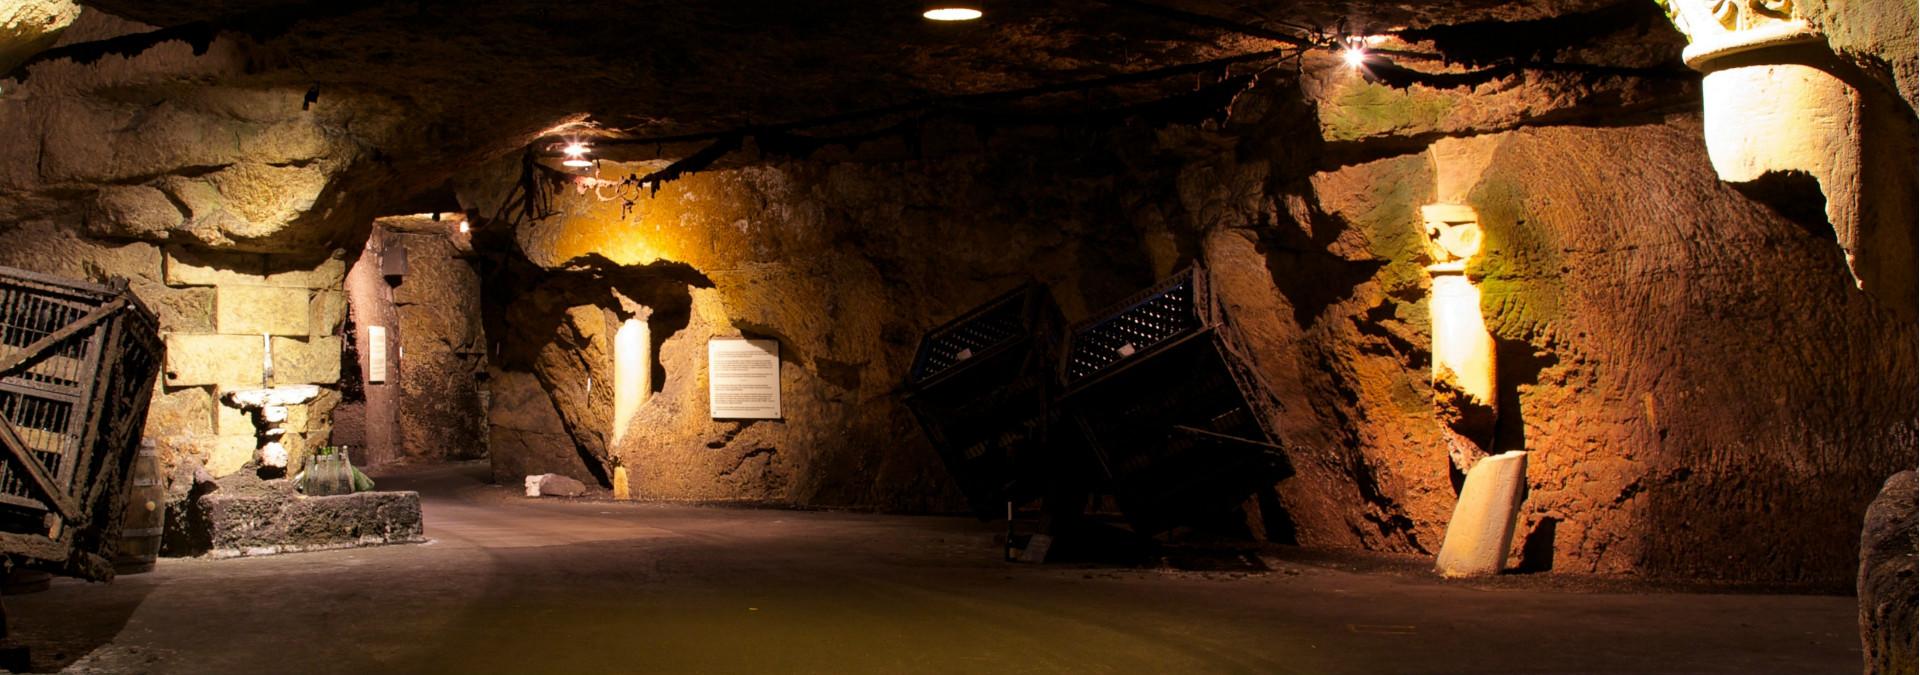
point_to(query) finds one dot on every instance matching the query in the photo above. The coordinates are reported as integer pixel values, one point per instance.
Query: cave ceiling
(495, 73)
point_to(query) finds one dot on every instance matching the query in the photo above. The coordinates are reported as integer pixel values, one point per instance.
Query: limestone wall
(1695, 376)
(222, 205)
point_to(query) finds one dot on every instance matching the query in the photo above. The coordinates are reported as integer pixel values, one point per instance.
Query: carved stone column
(1463, 365)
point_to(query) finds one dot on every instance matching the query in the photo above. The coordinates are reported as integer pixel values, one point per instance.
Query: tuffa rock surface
(1887, 578)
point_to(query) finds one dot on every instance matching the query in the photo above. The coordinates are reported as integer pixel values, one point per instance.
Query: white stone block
(1481, 531)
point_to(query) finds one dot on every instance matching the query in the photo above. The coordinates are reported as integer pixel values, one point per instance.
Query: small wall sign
(743, 379)
(376, 354)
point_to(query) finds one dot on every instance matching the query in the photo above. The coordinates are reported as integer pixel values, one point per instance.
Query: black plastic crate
(77, 369)
(1173, 410)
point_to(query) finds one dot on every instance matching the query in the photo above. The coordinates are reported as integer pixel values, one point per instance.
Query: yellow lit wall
(1462, 346)
(631, 371)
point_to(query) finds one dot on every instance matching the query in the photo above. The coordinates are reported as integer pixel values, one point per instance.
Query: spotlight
(576, 153)
(1356, 52)
(465, 227)
(952, 10)
(1354, 56)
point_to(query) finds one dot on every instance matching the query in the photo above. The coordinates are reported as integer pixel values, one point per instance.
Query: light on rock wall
(1462, 346)
(632, 370)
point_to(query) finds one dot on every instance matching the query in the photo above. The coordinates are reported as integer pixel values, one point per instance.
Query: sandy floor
(510, 585)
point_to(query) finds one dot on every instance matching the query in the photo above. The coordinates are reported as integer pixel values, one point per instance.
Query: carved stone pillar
(1463, 365)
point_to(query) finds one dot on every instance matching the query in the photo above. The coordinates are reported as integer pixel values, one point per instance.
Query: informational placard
(376, 354)
(743, 379)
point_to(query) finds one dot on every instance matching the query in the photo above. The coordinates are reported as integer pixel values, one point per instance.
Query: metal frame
(77, 368)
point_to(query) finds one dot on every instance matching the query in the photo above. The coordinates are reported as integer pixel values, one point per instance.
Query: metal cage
(983, 389)
(1171, 405)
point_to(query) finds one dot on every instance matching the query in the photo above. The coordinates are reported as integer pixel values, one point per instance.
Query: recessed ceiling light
(952, 10)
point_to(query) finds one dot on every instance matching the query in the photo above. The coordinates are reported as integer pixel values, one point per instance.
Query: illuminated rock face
(1668, 346)
(1777, 102)
(28, 26)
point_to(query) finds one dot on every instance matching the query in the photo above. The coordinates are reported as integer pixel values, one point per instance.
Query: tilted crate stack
(77, 368)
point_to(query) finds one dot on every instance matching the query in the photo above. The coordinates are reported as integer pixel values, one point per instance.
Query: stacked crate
(982, 387)
(1170, 405)
(77, 369)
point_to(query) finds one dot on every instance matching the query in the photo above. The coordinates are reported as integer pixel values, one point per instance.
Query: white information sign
(743, 379)
(376, 354)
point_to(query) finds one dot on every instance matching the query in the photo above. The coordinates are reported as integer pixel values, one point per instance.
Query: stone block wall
(254, 299)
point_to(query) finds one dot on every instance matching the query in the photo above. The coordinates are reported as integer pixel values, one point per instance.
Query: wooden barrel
(145, 516)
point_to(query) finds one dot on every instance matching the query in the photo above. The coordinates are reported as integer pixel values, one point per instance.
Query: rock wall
(428, 406)
(1887, 577)
(1681, 368)
(1703, 390)
(224, 206)
(845, 264)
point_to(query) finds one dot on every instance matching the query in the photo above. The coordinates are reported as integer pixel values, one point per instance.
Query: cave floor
(509, 584)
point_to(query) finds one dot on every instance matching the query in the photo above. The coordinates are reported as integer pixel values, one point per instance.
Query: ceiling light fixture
(952, 10)
(1356, 52)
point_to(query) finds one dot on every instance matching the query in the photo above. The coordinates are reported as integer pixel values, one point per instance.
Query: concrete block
(328, 276)
(247, 517)
(554, 485)
(297, 417)
(184, 310)
(314, 360)
(1481, 531)
(263, 310)
(194, 360)
(181, 411)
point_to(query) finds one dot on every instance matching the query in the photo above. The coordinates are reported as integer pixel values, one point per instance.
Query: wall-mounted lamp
(951, 10)
(576, 154)
(1356, 52)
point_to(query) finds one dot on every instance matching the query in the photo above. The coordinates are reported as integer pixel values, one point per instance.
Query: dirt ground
(509, 584)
